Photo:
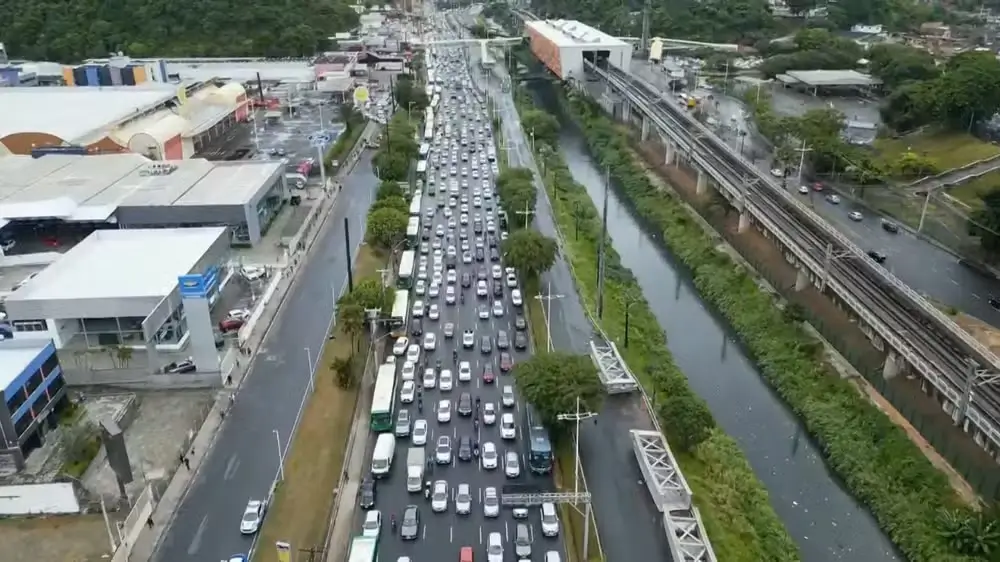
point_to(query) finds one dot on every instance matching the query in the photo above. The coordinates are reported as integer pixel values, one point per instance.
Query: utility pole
(601, 258)
(548, 298)
(802, 158)
(347, 248)
(577, 417)
(527, 212)
(644, 44)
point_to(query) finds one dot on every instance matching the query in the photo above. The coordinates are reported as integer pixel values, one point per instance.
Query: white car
(515, 297)
(804, 189)
(430, 379)
(512, 465)
(419, 433)
(491, 502)
(408, 370)
(511, 280)
(484, 312)
(447, 382)
(252, 516)
(413, 353)
(430, 341)
(249, 272)
(494, 548)
(855, 216)
(489, 456)
(497, 309)
(444, 411)
(439, 498)
(400, 346)
(463, 500)
(407, 392)
(449, 294)
(489, 413)
(433, 313)
(507, 396)
(435, 289)
(421, 286)
(496, 272)
(372, 524)
(464, 372)
(451, 277)
(442, 450)
(418, 309)
(507, 428)
(436, 279)
(468, 339)
(550, 520)
(481, 289)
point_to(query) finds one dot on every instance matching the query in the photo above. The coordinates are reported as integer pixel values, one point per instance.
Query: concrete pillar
(702, 186)
(891, 367)
(668, 157)
(744, 222)
(644, 131)
(626, 111)
(801, 279)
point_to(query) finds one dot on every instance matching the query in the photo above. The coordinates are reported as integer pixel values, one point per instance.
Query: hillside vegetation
(69, 31)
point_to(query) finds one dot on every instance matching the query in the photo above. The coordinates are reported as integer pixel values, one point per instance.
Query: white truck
(415, 469)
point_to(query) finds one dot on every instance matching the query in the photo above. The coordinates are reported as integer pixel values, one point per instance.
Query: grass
(947, 150)
(302, 504)
(971, 193)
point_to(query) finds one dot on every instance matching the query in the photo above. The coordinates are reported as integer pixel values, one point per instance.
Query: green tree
(897, 64)
(516, 189)
(552, 382)
(530, 252)
(687, 420)
(397, 203)
(351, 317)
(391, 165)
(544, 126)
(409, 96)
(969, 89)
(388, 189)
(386, 227)
(343, 370)
(368, 293)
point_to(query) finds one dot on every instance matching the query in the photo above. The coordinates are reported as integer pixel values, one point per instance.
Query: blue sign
(44, 150)
(199, 286)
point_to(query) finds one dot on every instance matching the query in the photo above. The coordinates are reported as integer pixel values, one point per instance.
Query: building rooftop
(230, 183)
(571, 33)
(14, 359)
(828, 78)
(130, 263)
(74, 113)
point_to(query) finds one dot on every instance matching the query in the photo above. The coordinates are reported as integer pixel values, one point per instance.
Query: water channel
(825, 521)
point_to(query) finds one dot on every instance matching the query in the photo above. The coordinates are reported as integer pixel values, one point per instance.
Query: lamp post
(576, 417)
(281, 455)
(548, 298)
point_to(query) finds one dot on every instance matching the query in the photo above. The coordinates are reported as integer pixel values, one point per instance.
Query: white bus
(400, 312)
(413, 232)
(384, 398)
(424, 149)
(404, 280)
(363, 549)
(415, 204)
(422, 168)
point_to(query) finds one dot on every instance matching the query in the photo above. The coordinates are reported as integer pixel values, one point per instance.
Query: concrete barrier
(128, 530)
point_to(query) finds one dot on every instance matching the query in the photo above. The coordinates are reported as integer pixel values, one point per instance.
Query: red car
(488, 376)
(506, 362)
(230, 325)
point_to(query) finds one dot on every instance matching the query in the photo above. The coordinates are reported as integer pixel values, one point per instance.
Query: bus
(539, 446)
(415, 205)
(404, 279)
(384, 398)
(363, 549)
(400, 313)
(422, 169)
(413, 232)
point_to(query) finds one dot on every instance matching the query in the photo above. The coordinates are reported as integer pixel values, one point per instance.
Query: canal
(826, 521)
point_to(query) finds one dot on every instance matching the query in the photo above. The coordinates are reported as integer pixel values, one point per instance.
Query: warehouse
(563, 45)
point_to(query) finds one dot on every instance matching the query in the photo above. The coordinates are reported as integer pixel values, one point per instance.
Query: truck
(415, 469)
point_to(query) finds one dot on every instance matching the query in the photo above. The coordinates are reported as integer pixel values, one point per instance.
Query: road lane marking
(506, 532)
(196, 540)
(231, 466)
(480, 534)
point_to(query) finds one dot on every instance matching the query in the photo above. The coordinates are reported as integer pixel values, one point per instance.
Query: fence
(128, 531)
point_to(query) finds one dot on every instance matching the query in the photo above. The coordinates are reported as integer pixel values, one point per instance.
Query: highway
(926, 341)
(442, 535)
(239, 466)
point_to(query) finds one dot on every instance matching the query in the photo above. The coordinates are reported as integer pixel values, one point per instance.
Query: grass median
(302, 504)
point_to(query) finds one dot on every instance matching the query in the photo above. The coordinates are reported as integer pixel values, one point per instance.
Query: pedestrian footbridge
(615, 374)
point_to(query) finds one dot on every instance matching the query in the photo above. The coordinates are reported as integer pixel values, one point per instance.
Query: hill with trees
(65, 31)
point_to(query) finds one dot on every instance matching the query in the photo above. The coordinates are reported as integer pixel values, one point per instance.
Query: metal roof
(571, 33)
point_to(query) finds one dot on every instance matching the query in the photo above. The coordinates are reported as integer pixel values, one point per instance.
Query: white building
(563, 45)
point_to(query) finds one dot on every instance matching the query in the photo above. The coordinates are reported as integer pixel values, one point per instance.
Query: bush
(873, 457)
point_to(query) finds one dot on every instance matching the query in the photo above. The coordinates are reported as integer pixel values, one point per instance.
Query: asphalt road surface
(442, 535)
(240, 467)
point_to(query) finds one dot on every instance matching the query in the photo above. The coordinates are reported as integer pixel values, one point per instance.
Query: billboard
(546, 51)
(198, 286)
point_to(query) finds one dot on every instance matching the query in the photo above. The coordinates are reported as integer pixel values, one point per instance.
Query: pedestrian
(187, 463)
(222, 414)
(149, 522)
(180, 457)
(229, 378)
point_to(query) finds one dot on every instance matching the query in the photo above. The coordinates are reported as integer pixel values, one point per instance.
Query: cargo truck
(415, 469)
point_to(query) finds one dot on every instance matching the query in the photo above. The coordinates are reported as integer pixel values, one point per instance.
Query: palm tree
(352, 318)
(124, 355)
(343, 368)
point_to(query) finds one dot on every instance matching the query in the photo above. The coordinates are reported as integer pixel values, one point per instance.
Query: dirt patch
(983, 332)
(70, 538)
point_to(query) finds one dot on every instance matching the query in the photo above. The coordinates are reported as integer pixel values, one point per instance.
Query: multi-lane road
(239, 466)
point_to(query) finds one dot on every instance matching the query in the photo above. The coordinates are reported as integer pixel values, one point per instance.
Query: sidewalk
(166, 507)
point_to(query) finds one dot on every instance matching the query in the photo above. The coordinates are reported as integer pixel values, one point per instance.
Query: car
(366, 493)
(400, 346)
(507, 396)
(464, 372)
(491, 502)
(480, 255)
(496, 271)
(856, 216)
(466, 279)
(497, 290)
(511, 280)
(494, 254)
(503, 341)
(481, 289)
(488, 456)
(877, 256)
(508, 430)
(407, 392)
(449, 295)
(446, 382)
(551, 556)
(439, 497)
(833, 198)
(408, 369)
(489, 413)
(486, 345)
(481, 274)
(403, 423)
(468, 339)
(418, 309)
(466, 257)
(520, 340)
(185, 366)
(421, 286)
(488, 375)
(463, 500)
(465, 404)
(253, 514)
(430, 341)
(522, 541)
(550, 520)
(494, 548)
(418, 436)
(413, 353)
(889, 226)
(435, 289)
(484, 312)
(416, 327)
(497, 308)
(373, 523)
(444, 411)
(515, 297)
(520, 323)
(506, 362)
(778, 172)
(409, 527)
(465, 448)
(511, 465)
(804, 189)
(442, 450)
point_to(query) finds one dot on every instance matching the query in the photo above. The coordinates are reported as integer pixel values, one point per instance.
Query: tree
(687, 420)
(544, 126)
(343, 369)
(386, 227)
(369, 293)
(391, 165)
(410, 96)
(530, 252)
(969, 89)
(985, 223)
(552, 382)
(396, 203)
(388, 189)
(351, 317)
(516, 189)
(897, 64)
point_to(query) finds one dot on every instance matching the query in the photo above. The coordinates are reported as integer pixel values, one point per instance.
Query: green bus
(413, 232)
(384, 398)
(363, 549)
(404, 279)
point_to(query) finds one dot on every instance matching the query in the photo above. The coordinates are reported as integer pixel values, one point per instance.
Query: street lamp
(548, 298)
(309, 366)
(281, 455)
(577, 417)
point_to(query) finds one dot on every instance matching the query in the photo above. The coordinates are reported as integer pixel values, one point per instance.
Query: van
(385, 448)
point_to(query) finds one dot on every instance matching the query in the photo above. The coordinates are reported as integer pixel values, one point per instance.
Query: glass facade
(127, 331)
(267, 209)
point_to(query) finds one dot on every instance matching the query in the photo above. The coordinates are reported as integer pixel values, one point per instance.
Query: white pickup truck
(415, 469)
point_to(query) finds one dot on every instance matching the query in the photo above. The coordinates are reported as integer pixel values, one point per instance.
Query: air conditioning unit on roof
(158, 169)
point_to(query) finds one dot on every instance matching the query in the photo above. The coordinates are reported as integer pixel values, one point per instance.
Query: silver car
(439, 496)
(463, 500)
(491, 502)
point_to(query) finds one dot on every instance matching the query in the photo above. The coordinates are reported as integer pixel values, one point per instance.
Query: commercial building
(149, 290)
(160, 121)
(128, 191)
(563, 45)
(816, 80)
(237, 69)
(117, 71)
(33, 391)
